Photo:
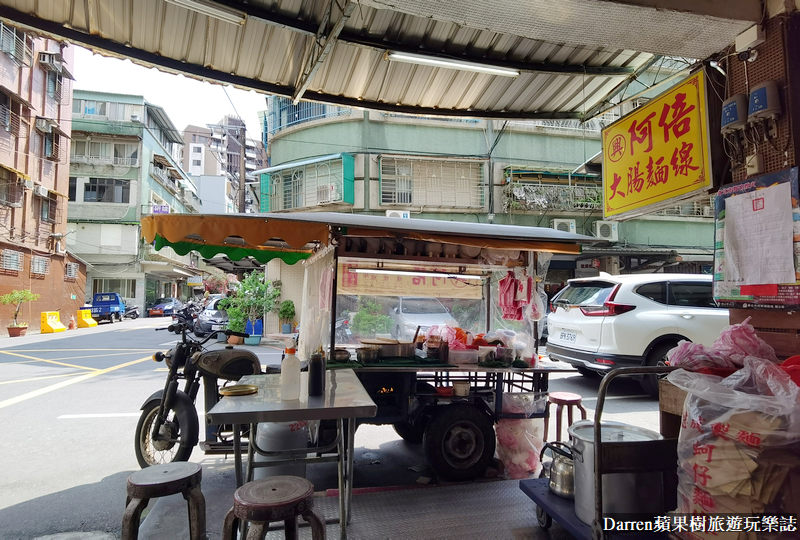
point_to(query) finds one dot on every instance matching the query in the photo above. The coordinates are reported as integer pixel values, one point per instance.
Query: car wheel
(657, 357)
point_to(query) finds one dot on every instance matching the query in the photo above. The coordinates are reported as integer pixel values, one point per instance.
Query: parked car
(601, 323)
(210, 319)
(165, 306)
(411, 312)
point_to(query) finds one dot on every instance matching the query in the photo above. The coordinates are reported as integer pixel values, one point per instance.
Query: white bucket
(272, 436)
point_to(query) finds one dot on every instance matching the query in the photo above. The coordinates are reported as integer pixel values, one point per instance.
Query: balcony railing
(701, 208)
(521, 196)
(126, 161)
(191, 200)
(283, 114)
(165, 178)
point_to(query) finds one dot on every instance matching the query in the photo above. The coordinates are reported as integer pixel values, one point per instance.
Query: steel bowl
(367, 355)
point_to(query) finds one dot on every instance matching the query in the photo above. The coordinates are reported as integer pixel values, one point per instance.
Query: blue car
(165, 306)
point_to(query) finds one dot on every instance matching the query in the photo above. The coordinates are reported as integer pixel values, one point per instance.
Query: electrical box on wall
(733, 113)
(764, 101)
(566, 225)
(750, 38)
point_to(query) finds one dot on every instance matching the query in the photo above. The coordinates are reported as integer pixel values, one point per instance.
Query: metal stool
(160, 481)
(562, 399)
(280, 498)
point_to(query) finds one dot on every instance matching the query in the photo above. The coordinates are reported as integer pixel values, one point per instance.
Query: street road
(69, 404)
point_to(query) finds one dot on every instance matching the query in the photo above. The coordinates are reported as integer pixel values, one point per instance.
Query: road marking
(41, 378)
(61, 350)
(49, 361)
(63, 384)
(104, 355)
(637, 396)
(20, 362)
(101, 415)
(162, 369)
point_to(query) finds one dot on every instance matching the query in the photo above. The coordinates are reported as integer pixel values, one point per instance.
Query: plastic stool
(279, 498)
(562, 399)
(161, 481)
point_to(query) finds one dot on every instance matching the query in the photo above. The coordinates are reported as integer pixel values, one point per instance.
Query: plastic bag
(694, 356)
(738, 341)
(739, 444)
(519, 442)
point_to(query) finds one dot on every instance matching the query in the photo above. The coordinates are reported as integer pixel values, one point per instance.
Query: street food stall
(447, 385)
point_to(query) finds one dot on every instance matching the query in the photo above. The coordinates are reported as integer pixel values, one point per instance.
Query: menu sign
(659, 152)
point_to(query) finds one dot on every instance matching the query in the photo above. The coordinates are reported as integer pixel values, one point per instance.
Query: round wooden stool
(562, 399)
(280, 498)
(161, 481)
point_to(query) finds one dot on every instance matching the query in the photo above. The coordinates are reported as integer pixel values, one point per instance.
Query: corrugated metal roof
(570, 54)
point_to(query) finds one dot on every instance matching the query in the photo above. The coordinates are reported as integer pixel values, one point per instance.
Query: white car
(411, 312)
(601, 323)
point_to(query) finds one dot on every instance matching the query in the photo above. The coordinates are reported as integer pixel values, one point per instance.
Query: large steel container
(623, 493)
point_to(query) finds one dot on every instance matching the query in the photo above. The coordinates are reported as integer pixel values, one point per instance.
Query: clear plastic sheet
(315, 320)
(739, 444)
(519, 442)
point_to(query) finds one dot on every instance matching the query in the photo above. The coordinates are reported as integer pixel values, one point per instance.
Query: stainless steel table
(345, 400)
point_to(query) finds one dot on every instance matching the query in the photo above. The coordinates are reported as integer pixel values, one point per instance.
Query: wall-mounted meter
(733, 113)
(764, 102)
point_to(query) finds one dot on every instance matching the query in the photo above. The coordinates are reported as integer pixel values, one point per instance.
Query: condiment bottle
(290, 375)
(316, 375)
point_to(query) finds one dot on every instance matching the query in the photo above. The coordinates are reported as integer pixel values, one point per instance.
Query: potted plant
(236, 322)
(257, 296)
(17, 297)
(286, 315)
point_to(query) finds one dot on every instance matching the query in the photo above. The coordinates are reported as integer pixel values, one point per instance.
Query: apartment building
(212, 156)
(124, 165)
(35, 100)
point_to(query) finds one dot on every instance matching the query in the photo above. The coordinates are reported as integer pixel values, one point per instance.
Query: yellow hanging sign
(350, 282)
(659, 152)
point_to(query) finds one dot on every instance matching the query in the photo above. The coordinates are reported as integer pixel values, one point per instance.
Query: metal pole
(242, 170)
(334, 285)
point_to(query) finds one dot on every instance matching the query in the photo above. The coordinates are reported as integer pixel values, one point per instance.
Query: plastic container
(460, 388)
(272, 436)
(290, 376)
(463, 356)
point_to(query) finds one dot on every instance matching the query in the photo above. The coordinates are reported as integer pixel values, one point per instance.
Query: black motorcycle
(168, 429)
(131, 311)
(343, 333)
(186, 316)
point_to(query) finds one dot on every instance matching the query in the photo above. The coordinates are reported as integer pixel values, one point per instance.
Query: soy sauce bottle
(316, 375)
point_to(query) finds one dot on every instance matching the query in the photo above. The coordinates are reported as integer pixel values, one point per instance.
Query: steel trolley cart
(609, 457)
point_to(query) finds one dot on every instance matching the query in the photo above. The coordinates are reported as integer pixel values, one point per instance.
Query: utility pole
(242, 170)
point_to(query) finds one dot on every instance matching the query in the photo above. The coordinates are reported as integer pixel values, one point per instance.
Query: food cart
(457, 430)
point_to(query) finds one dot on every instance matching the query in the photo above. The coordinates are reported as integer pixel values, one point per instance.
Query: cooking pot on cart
(623, 493)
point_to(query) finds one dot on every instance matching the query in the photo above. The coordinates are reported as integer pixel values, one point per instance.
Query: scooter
(343, 333)
(168, 428)
(131, 312)
(186, 316)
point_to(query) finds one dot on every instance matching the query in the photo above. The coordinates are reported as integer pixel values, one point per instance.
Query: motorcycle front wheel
(180, 429)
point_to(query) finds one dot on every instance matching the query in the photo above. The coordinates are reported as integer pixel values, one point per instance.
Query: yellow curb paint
(47, 389)
(49, 361)
(41, 378)
(102, 355)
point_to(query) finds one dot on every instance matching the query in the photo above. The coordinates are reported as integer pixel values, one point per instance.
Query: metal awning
(294, 236)
(301, 163)
(15, 97)
(12, 170)
(503, 59)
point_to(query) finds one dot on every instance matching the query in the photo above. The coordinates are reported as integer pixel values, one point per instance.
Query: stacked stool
(279, 498)
(161, 481)
(561, 400)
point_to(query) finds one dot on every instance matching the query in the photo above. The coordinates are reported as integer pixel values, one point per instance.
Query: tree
(255, 296)
(216, 283)
(18, 297)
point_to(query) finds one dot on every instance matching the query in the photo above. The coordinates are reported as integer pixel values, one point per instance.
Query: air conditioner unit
(44, 125)
(565, 225)
(607, 230)
(402, 214)
(50, 61)
(28, 184)
(41, 191)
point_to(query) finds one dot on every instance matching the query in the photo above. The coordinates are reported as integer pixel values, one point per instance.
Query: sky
(186, 101)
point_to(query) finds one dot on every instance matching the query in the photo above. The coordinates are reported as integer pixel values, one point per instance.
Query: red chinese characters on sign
(679, 123)
(615, 187)
(656, 172)
(635, 179)
(643, 132)
(701, 475)
(682, 160)
(617, 148)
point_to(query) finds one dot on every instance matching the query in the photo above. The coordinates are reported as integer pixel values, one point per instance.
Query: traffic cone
(72, 325)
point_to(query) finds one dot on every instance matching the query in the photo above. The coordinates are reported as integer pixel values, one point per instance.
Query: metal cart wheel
(544, 519)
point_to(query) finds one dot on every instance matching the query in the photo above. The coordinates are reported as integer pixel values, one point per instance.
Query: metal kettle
(562, 470)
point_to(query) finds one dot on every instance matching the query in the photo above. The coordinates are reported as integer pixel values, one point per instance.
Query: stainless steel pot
(623, 493)
(562, 469)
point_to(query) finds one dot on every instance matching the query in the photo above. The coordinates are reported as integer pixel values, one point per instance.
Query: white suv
(601, 323)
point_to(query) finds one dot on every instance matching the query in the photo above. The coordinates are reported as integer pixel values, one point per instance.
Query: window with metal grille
(52, 146)
(40, 265)
(107, 190)
(12, 260)
(16, 44)
(55, 83)
(49, 208)
(10, 189)
(431, 183)
(71, 270)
